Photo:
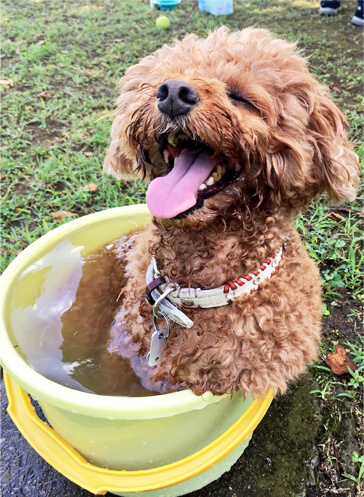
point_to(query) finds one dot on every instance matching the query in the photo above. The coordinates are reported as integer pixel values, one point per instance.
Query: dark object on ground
(358, 19)
(329, 7)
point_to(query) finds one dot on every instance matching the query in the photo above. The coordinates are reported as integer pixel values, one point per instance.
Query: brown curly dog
(237, 137)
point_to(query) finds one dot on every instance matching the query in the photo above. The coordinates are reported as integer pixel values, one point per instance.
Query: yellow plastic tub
(164, 446)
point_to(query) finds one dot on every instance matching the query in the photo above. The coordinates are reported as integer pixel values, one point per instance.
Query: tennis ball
(162, 22)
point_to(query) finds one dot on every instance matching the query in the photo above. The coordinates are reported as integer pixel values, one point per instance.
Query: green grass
(359, 460)
(333, 238)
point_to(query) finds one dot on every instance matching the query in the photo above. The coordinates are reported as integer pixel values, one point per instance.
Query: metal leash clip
(159, 336)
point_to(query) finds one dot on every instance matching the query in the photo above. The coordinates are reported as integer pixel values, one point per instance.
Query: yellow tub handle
(67, 461)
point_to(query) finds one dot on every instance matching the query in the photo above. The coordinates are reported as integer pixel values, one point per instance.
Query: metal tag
(164, 304)
(157, 346)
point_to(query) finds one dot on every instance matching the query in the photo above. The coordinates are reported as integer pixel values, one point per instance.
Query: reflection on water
(63, 316)
(38, 327)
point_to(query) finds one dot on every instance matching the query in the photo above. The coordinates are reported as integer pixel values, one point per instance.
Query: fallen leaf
(337, 216)
(6, 82)
(16, 252)
(64, 137)
(9, 251)
(337, 89)
(83, 135)
(339, 362)
(88, 154)
(42, 42)
(45, 94)
(2, 176)
(91, 187)
(91, 74)
(60, 215)
(118, 40)
(333, 212)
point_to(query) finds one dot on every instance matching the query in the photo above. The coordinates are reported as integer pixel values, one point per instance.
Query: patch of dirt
(341, 430)
(340, 320)
(48, 136)
(336, 446)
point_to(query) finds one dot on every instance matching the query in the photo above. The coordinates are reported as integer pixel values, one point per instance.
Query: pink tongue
(170, 195)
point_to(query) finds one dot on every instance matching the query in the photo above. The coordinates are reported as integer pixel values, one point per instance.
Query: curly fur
(292, 145)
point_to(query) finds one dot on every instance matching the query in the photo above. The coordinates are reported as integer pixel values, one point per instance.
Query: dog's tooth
(217, 175)
(202, 187)
(210, 181)
(166, 155)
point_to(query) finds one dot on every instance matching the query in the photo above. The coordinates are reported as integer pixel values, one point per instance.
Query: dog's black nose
(176, 97)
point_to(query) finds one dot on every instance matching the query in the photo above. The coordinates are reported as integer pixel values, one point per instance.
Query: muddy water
(65, 333)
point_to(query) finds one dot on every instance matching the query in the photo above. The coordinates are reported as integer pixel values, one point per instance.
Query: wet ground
(281, 461)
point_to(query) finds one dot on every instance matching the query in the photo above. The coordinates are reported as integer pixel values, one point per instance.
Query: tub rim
(90, 404)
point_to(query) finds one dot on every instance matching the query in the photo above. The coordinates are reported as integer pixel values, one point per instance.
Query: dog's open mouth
(194, 174)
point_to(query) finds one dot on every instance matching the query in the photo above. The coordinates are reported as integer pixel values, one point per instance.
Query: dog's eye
(239, 100)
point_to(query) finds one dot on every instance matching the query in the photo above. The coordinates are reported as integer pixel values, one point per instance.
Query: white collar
(195, 297)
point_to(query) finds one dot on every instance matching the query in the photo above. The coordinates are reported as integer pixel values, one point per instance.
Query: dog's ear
(120, 160)
(335, 166)
(311, 153)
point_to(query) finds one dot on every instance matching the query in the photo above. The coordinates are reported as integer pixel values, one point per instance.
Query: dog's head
(231, 122)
